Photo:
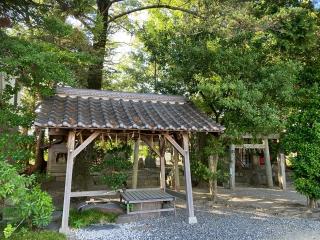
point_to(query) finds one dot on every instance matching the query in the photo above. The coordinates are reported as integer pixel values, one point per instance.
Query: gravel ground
(211, 225)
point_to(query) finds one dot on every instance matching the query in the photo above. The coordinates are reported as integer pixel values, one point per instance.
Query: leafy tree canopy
(239, 65)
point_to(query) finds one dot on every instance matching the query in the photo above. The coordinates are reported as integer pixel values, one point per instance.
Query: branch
(211, 106)
(152, 7)
(114, 1)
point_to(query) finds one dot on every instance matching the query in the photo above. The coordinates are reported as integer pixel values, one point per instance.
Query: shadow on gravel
(101, 227)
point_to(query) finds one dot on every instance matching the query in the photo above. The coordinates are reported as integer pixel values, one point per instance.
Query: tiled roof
(83, 108)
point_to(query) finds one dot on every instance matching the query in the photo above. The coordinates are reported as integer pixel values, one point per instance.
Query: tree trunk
(282, 171)
(213, 164)
(232, 167)
(312, 203)
(95, 75)
(40, 164)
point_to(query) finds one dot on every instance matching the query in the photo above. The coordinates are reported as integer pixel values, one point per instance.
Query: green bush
(36, 207)
(23, 202)
(37, 235)
(201, 172)
(303, 139)
(115, 163)
(88, 217)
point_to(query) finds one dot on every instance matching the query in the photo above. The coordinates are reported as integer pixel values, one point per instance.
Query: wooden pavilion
(81, 115)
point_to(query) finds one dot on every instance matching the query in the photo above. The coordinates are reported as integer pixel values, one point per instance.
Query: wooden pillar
(68, 180)
(187, 175)
(267, 163)
(282, 172)
(232, 166)
(135, 164)
(176, 170)
(162, 164)
(72, 153)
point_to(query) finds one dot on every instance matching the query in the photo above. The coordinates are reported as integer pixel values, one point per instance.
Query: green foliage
(36, 207)
(23, 201)
(88, 217)
(201, 172)
(57, 27)
(12, 184)
(114, 164)
(205, 146)
(7, 232)
(303, 138)
(16, 149)
(239, 64)
(37, 64)
(37, 235)
(116, 180)
(244, 64)
(39, 51)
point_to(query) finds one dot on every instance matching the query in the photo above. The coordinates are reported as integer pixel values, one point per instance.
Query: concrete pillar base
(192, 220)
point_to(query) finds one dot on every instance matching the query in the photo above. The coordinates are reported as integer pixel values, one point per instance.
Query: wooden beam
(251, 146)
(93, 136)
(135, 164)
(176, 170)
(162, 164)
(270, 136)
(151, 211)
(150, 144)
(268, 163)
(232, 167)
(67, 189)
(187, 175)
(175, 144)
(93, 193)
(57, 132)
(177, 194)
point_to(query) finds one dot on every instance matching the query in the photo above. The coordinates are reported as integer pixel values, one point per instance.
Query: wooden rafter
(175, 144)
(93, 136)
(150, 144)
(251, 146)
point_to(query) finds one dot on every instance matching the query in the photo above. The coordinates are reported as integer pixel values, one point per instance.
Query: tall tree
(104, 17)
(241, 62)
(39, 51)
(240, 68)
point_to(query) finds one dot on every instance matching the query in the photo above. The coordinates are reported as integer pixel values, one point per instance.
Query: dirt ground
(245, 213)
(259, 201)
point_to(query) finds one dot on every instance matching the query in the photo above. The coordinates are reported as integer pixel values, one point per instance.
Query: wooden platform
(146, 197)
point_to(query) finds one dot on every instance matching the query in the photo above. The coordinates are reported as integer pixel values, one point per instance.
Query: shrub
(115, 163)
(303, 139)
(88, 217)
(23, 202)
(37, 235)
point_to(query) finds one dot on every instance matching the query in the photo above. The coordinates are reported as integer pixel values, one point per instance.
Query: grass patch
(37, 235)
(88, 217)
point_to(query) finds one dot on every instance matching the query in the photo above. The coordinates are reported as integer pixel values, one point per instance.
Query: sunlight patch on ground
(245, 199)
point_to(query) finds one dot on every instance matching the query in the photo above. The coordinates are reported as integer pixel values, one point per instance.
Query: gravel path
(211, 225)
